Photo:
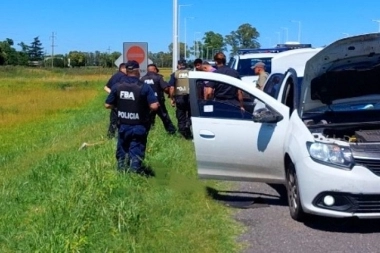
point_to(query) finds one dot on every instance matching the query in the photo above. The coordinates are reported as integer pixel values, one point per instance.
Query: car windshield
(272, 86)
(244, 67)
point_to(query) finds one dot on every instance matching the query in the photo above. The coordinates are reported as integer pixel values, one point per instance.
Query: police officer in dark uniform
(179, 94)
(133, 100)
(223, 92)
(159, 87)
(113, 114)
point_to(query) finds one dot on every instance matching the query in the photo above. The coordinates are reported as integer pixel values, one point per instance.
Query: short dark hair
(182, 62)
(122, 65)
(155, 66)
(220, 58)
(197, 61)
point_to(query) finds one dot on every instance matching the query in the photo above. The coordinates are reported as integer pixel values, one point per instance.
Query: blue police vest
(132, 108)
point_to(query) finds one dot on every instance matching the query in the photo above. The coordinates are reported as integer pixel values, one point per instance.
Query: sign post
(137, 51)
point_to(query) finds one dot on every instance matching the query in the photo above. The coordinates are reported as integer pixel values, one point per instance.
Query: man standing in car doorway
(220, 91)
(159, 87)
(179, 95)
(259, 69)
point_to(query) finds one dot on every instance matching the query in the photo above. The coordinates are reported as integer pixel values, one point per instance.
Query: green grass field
(55, 198)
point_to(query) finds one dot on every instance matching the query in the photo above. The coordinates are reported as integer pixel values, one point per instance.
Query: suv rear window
(244, 66)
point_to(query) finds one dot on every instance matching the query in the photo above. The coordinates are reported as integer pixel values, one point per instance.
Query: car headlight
(331, 154)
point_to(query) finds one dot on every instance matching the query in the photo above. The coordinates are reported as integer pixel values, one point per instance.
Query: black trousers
(112, 128)
(162, 112)
(183, 114)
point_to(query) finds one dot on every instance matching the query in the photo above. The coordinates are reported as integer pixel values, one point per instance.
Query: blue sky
(101, 25)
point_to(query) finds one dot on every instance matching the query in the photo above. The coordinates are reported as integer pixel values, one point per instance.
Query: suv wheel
(295, 207)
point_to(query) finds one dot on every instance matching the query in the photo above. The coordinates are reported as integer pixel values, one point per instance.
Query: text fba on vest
(127, 95)
(151, 82)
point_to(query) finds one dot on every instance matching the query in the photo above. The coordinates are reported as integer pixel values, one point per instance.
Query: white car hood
(325, 82)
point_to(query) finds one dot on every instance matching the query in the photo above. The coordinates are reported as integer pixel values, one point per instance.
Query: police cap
(131, 65)
(259, 64)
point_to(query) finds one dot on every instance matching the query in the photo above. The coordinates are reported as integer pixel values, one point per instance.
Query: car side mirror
(266, 116)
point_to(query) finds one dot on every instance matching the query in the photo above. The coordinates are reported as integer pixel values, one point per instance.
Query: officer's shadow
(147, 171)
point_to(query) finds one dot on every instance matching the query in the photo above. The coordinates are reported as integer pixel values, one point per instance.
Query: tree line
(245, 36)
(33, 55)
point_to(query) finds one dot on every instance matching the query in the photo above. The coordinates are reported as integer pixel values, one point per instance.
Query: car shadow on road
(244, 199)
(346, 225)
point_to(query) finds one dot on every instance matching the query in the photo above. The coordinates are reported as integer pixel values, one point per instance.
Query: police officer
(133, 100)
(179, 95)
(223, 92)
(159, 86)
(113, 113)
(259, 69)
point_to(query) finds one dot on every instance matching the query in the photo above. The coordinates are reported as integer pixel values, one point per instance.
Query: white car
(322, 141)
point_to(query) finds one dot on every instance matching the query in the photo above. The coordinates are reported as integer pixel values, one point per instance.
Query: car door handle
(206, 134)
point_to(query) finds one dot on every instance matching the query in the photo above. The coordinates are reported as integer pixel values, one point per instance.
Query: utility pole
(109, 50)
(178, 29)
(286, 34)
(52, 48)
(377, 21)
(299, 29)
(279, 37)
(175, 36)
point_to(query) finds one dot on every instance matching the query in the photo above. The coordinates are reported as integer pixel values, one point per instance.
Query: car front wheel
(295, 207)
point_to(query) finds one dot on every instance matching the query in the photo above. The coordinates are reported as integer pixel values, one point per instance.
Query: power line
(52, 37)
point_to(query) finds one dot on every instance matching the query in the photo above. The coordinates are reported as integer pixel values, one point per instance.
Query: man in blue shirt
(221, 91)
(160, 87)
(113, 113)
(133, 100)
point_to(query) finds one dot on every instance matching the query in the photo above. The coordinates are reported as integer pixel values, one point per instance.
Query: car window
(228, 109)
(273, 84)
(231, 62)
(244, 65)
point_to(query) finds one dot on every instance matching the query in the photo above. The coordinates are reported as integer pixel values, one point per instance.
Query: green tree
(112, 58)
(197, 49)
(8, 54)
(181, 50)
(77, 59)
(244, 37)
(23, 54)
(212, 42)
(161, 59)
(35, 50)
(58, 61)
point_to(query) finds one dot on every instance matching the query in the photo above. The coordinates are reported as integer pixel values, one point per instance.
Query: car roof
(258, 55)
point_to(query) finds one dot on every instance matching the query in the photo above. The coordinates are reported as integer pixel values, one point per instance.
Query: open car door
(232, 144)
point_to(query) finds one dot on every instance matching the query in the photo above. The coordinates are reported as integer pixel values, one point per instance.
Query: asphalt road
(269, 227)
